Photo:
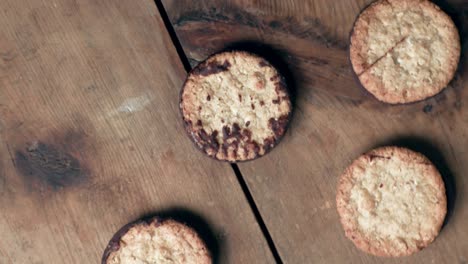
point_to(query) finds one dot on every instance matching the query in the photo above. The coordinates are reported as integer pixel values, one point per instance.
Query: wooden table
(91, 138)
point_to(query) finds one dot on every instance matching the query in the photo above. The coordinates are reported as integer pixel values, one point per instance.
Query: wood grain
(335, 121)
(91, 137)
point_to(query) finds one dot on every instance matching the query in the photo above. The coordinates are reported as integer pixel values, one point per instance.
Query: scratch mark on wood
(134, 104)
(11, 155)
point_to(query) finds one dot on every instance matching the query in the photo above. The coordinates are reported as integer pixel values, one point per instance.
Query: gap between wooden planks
(235, 168)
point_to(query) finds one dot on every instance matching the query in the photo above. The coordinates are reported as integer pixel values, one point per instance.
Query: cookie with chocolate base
(235, 106)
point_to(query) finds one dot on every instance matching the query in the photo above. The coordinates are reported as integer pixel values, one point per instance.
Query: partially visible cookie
(404, 50)
(235, 106)
(391, 202)
(156, 241)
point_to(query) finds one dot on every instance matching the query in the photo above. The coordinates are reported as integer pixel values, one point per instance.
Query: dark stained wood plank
(91, 138)
(335, 120)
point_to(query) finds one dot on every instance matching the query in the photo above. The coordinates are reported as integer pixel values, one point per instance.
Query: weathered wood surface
(91, 138)
(335, 120)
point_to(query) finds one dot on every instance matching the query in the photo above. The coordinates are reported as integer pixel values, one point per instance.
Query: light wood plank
(93, 87)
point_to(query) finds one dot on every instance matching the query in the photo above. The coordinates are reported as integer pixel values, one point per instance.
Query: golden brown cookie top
(404, 50)
(156, 241)
(235, 106)
(391, 202)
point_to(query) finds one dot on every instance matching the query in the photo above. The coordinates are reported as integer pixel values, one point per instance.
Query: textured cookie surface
(404, 50)
(391, 202)
(156, 242)
(235, 106)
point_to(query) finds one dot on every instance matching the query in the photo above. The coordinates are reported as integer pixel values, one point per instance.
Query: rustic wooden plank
(335, 120)
(90, 136)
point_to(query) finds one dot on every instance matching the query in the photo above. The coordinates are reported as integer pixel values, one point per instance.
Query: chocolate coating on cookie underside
(235, 106)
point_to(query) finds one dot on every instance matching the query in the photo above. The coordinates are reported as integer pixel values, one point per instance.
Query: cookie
(235, 106)
(391, 202)
(404, 50)
(156, 241)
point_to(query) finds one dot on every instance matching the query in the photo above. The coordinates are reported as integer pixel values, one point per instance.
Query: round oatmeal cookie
(235, 106)
(391, 202)
(156, 241)
(404, 50)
